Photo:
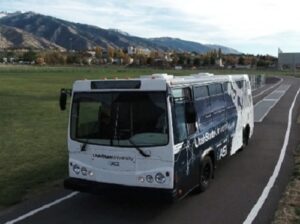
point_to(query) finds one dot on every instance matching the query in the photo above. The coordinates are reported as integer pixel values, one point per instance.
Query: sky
(254, 27)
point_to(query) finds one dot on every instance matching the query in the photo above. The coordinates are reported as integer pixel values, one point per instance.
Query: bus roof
(154, 82)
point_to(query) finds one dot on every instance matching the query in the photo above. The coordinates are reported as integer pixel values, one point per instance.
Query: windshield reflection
(120, 118)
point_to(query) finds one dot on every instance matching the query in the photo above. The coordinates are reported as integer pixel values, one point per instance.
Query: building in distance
(290, 60)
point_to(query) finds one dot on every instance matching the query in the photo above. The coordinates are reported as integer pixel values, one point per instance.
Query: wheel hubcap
(206, 174)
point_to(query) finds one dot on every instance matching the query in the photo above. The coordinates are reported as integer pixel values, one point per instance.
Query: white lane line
(262, 92)
(254, 211)
(267, 100)
(256, 89)
(33, 212)
(275, 101)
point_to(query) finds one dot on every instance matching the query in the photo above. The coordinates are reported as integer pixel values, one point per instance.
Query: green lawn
(33, 149)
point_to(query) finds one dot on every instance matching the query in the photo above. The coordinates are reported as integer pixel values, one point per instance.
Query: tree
(150, 61)
(241, 60)
(98, 53)
(212, 60)
(55, 58)
(206, 60)
(262, 63)
(127, 59)
(40, 61)
(219, 53)
(29, 56)
(181, 60)
(230, 60)
(110, 51)
(119, 54)
(197, 62)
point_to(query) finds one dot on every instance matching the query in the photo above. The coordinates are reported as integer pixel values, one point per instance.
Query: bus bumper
(94, 187)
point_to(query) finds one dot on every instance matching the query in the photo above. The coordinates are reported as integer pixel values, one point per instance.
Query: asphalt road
(238, 184)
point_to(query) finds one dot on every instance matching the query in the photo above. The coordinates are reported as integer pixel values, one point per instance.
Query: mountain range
(37, 31)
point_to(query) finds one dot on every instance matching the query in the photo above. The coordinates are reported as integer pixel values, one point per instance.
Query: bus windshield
(120, 118)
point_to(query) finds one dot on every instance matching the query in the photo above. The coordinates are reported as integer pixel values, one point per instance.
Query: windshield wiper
(138, 149)
(83, 146)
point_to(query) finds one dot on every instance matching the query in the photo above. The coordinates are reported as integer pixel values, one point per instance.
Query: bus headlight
(141, 179)
(76, 169)
(160, 178)
(84, 171)
(149, 178)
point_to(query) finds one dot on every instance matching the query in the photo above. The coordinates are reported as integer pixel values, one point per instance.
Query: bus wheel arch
(206, 172)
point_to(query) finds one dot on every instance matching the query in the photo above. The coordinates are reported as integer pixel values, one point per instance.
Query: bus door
(184, 129)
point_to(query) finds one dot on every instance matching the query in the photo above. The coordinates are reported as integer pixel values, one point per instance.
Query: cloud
(250, 26)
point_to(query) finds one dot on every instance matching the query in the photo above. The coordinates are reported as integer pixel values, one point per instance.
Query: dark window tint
(130, 84)
(225, 87)
(181, 128)
(203, 109)
(215, 89)
(200, 92)
(179, 124)
(119, 118)
(240, 84)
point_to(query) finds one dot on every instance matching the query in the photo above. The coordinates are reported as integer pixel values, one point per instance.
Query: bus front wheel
(205, 174)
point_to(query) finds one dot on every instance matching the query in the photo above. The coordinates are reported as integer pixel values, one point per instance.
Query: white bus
(157, 132)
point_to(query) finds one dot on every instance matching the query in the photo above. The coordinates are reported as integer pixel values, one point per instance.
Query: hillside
(180, 45)
(225, 50)
(12, 37)
(78, 36)
(73, 35)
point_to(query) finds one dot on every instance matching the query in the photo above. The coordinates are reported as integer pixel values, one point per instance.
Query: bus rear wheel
(205, 174)
(245, 137)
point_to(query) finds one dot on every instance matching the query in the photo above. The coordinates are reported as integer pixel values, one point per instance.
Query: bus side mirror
(190, 113)
(63, 99)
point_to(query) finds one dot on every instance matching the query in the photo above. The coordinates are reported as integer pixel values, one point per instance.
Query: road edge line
(254, 211)
(33, 212)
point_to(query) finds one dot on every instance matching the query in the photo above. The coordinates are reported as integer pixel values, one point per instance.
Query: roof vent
(203, 74)
(158, 76)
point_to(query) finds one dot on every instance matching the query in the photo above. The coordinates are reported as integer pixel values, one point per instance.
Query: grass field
(33, 149)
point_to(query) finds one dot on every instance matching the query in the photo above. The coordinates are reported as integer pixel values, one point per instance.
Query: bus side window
(225, 87)
(239, 84)
(217, 98)
(202, 104)
(230, 104)
(191, 127)
(181, 128)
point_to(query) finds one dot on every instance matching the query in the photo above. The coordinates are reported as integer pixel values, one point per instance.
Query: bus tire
(245, 137)
(205, 174)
